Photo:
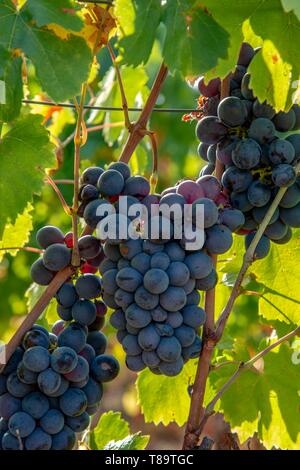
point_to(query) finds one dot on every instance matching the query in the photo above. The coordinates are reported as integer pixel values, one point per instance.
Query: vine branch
(204, 363)
(36, 311)
(136, 132)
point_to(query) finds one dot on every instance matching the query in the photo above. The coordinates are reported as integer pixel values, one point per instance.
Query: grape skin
(246, 154)
(210, 130)
(49, 235)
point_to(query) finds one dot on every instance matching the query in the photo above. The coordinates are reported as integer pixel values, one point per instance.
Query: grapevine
(149, 226)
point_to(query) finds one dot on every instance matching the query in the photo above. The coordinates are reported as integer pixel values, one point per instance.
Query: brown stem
(121, 86)
(77, 145)
(136, 135)
(36, 311)
(22, 248)
(203, 367)
(59, 194)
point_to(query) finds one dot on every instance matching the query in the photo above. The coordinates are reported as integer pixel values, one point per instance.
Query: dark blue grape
(174, 319)
(131, 346)
(240, 201)
(141, 262)
(259, 194)
(276, 231)
(89, 247)
(263, 110)
(84, 312)
(88, 193)
(104, 368)
(178, 273)
(285, 122)
(110, 183)
(79, 423)
(263, 247)
(35, 404)
(260, 212)
(156, 281)
(194, 297)
(245, 87)
(294, 139)
(151, 248)
(232, 111)
(21, 424)
(72, 337)
(210, 212)
(193, 350)
(193, 316)
(130, 248)
(171, 369)
(150, 359)
(158, 314)
(52, 422)
(283, 175)
(17, 388)
(118, 320)
(262, 130)
(174, 251)
(148, 338)
(93, 391)
(246, 54)
(145, 299)
(210, 130)
(73, 402)
(246, 154)
(36, 359)
(36, 338)
(91, 175)
(9, 405)
(137, 186)
(123, 298)
(135, 363)
(98, 341)
(232, 218)
(129, 279)
(40, 274)
(56, 257)
(185, 335)
(64, 440)
(66, 296)
(189, 286)
(173, 299)
(291, 197)
(64, 360)
(64, 313)
(10, 442)
(49, 235)
(80, 372)
(199, 264)
(169, 349)
(236, 180)
(93, 212)
(281, 151)
(207, 283)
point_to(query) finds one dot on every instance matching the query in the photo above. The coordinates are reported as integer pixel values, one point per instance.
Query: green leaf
(33, 294)
(165, 399)
(279, 275)
(17, 234)
(24, 150)
(135, 83)
(265, 400)
(11, 74)
(61, 65)
(111, 427)
(289, 5)
(138, 22)
(281, 34)
(189, 30)
(54, 11)
(49, 316)
(231, 19)
(132, 442)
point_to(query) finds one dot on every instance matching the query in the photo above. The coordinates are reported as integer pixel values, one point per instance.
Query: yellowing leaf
(17, 234)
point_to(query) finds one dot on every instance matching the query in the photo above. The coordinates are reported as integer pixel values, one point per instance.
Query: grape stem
(78, 141)
(212, 337)
(243, 366)
(204, 363)
(137, 131)
(36, 311)
(121, 86)
(22, 248)
(64, 204)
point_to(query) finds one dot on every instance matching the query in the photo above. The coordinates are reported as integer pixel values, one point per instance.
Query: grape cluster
(51, 386)
(153, 284)
(247, 137)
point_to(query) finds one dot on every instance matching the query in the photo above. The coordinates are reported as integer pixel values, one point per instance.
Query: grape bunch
(51, 386)
(153, 284)
(58, 253)
(249, 139)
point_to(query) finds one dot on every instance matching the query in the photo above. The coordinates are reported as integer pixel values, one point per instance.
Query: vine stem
(137, 130)
(243, 366)
(204, 363)
(22, 248)
(77, 144)
(121, 86)
(36, 311)
(64, 204)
